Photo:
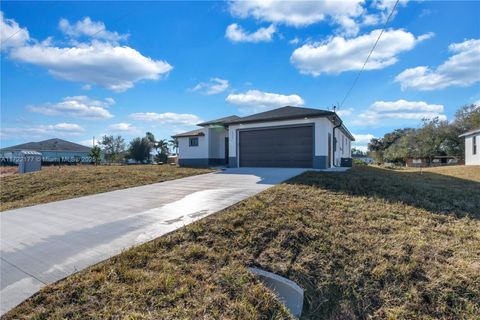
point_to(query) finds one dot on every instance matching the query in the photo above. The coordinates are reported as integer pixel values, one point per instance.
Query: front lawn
(368, 243)
(65, 182)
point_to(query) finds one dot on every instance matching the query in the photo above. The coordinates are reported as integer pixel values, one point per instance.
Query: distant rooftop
(193, 133)
(49, 145)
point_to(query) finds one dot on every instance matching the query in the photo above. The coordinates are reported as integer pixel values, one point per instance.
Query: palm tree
(174, 144)
(162, 144)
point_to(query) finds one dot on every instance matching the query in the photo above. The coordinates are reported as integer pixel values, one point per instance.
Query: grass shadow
(437, 193)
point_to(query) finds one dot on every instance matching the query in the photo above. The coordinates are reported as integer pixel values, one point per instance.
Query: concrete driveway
(44, 243)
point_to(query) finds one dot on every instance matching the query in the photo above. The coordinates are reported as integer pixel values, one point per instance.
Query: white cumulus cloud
(256, 100)
(114, 67)
(347, 15)
(213, 86)
(345, 112)
(461, 69)
(122, 127)
(339, 54)
(181, 119)
(363, 138)
(236, 33)
(81, 107)
(296, 13)
(383, 112)
(89, 28)
(100, 61)
(11, 35)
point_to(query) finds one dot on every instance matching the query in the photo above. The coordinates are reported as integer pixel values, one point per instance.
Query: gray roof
(193, 133)
(473, 131)
(49, 145)
(284, 113)
(219, 121)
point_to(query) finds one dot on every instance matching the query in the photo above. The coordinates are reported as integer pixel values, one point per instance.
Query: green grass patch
(370, 243)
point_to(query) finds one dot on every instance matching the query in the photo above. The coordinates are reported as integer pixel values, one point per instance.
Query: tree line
(435, 137)
(114, 149)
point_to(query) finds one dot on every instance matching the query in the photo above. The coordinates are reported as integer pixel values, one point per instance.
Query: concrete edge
(290, 293)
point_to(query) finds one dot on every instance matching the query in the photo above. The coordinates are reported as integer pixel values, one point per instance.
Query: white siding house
(472, 147)
(284, 137)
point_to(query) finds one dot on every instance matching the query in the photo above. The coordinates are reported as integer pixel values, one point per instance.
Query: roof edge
(291, 117)
(469, 133)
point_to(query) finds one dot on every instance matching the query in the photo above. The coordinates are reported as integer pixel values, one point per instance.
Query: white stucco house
(285, 137)
(472, 152)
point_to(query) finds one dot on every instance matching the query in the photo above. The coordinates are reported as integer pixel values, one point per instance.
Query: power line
(20, 29)
(371, 51)
(112, 23)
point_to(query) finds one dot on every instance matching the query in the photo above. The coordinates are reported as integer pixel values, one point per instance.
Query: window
(474, 145)
(193, 142)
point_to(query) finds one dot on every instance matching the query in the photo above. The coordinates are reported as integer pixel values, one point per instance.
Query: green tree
(150, 137)
(113, 147)
(162, 151)
(430, 139)
(434, 138)
(161, 157)
(174, 144)
(377, 147)
(140, 149)
(162, 145)
(466, 118)
(358, 153)
(96, 154)
(400, 150)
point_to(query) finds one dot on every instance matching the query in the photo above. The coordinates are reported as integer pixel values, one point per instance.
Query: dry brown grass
(66, 182)
(369, 243)
(8, 171)
(462, 172)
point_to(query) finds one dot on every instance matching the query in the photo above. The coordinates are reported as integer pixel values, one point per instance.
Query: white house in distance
(286, 137)
(472, 152)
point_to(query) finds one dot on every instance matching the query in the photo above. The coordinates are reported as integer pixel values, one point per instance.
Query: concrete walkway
(45, 243)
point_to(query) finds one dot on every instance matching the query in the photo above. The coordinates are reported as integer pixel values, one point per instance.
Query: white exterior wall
(470, 158)
(216, 142)
(343, 146)
(187, 152)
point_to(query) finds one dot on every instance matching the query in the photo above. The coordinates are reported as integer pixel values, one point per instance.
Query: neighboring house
(472, 150)
(284, 137)
(52, 150)
(436, 161)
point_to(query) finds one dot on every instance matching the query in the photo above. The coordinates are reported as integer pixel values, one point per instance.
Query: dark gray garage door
(280, 147)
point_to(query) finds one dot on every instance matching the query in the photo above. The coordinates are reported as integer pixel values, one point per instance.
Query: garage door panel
(279, 147)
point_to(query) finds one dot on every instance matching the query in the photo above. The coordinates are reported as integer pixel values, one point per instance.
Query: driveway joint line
(21, 270)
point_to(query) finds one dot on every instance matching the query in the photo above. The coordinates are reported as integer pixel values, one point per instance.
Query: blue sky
(74, 70)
